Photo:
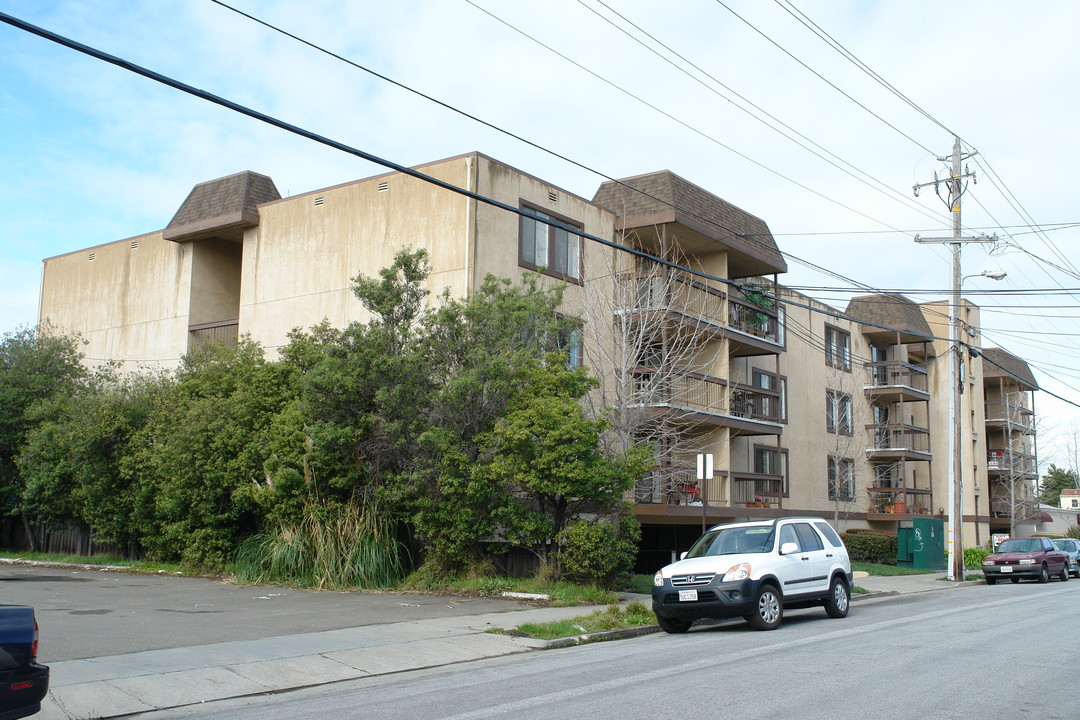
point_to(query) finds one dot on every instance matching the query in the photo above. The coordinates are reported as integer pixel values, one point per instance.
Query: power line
(823, 78)
(307, 134)
(881, 187)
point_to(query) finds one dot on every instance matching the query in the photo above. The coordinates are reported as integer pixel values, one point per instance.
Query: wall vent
(134, 244)
(553, 196)
(384, 186)
(319, 201)
(90, 257)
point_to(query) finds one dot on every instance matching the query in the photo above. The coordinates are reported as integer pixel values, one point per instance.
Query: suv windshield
(729, 541)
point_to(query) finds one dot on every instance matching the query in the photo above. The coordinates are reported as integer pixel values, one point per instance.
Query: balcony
(756, 489)
(224, 333)
(672, 296)
(753, 330)
(1010, 417)
(894, 381)
(705, 399)
(680, 486)
(1005, 462)
(897, 441)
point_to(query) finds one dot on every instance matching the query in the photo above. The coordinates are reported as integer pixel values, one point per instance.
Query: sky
(823, 141)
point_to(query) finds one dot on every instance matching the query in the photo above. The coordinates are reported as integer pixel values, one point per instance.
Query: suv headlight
(658, 579)
(737, 572)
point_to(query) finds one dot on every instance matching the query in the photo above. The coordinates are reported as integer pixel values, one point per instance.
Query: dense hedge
(871, 546)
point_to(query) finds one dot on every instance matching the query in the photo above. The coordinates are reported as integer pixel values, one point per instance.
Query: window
(768, 381)
(563, 335)
(808, 539)
(765, 463)
(838, 412)
(570, 343)
(837, 348)
(841, 475)
(551, 248)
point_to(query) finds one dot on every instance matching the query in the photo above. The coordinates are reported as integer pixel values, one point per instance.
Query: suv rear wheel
(769, 610)
(836, 605)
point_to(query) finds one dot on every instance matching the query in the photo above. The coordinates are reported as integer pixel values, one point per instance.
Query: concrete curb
(599, 637)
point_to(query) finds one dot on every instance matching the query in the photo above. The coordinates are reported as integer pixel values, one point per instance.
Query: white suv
(755, 570)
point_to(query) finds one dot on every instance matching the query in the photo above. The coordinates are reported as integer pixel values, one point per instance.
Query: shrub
(871, 546)
(973, 557)
(599, 552)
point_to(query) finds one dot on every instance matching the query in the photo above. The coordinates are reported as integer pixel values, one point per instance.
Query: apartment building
(801, 408)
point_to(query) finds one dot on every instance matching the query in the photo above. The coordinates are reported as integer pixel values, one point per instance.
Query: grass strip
(614, 617)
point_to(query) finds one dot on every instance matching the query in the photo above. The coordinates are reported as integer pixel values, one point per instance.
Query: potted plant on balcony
(757, 320)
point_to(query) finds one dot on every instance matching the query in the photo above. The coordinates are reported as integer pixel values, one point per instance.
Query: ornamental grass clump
(335, 547)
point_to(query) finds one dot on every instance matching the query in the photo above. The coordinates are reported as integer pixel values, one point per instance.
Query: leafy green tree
(1053, 482)
(73, 464)
(36, 364)
(547, 455)
(204, 450)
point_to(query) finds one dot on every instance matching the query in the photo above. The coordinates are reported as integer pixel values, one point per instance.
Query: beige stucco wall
(128, 299)
(300, 261)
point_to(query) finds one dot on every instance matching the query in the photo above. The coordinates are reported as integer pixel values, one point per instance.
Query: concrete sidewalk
(139, 682)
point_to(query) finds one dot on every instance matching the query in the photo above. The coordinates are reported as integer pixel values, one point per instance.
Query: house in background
(804, 410)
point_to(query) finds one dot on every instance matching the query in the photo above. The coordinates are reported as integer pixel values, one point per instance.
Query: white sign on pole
(704, 466)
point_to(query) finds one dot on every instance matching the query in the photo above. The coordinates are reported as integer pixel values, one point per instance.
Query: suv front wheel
(673, 625)
(768, 610)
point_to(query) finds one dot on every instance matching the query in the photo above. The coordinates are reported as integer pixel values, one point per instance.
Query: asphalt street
(994, 653)
(85, 613)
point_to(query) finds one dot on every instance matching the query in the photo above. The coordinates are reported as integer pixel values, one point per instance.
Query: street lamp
(992, 274)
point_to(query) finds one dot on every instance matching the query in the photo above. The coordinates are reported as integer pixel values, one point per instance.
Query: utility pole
(955, 186)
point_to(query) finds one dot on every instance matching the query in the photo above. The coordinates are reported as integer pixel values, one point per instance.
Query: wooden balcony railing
(896, 436)
(705, 393)
(1006, 461)
(225, 332)
(897, 374)
(754, 320)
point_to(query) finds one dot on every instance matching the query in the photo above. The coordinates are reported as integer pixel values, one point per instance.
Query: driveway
(86, 613)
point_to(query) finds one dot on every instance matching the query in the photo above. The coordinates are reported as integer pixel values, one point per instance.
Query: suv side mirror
(789, 548)
(682, 555)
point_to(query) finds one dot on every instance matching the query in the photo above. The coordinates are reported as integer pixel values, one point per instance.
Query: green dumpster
(921, 546)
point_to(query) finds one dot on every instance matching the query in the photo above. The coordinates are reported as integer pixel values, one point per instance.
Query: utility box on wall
(921, 546)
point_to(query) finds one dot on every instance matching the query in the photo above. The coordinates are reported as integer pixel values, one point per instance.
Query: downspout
(472, 172)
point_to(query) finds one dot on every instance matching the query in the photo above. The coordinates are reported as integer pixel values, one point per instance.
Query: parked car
(1072, 548)
(755, 570)
(1031, 557)
(23, 683)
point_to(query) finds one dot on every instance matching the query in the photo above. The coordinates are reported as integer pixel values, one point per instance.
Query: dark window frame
(785, 490)
(832, 476)
(553, 239)
(836, 420)
(837, 355)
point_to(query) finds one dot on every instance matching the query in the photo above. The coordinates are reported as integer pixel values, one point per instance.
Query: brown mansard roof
(667, 198)
(222, 208)
(1011, 367)
(886, 314)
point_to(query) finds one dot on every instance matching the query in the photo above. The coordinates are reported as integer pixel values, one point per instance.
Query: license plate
(1006, 568)
(688, 596)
